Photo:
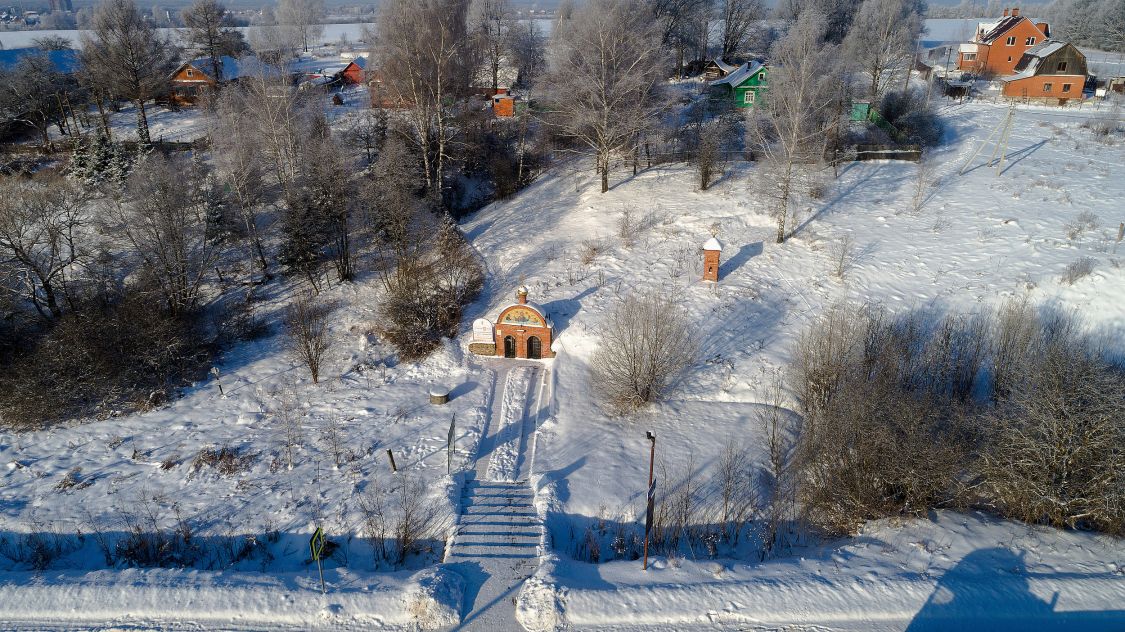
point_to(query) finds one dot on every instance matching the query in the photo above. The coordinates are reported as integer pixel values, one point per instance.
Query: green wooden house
(744, 87)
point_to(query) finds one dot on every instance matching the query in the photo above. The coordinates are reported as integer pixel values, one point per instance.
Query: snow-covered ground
(978, 239)
(251, 527)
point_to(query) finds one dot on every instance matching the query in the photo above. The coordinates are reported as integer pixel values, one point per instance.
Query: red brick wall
(993, 59)
(521, 333)
(711, 265)
(1033, 87)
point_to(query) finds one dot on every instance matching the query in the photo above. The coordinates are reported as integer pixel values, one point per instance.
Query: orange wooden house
(998, 46)
(192, 80)
(355, 73)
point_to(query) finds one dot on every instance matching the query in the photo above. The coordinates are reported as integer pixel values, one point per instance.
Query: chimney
(1015, 12)
(521, 295)
(1045, 28)
(1005, 13)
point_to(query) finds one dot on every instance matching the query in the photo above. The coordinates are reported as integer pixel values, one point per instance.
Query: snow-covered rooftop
(744, 72)
(713, 244)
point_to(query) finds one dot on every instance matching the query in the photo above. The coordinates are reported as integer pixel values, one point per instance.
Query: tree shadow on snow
(989, 588)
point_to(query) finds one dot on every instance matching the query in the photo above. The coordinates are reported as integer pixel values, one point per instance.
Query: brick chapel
(523, 330)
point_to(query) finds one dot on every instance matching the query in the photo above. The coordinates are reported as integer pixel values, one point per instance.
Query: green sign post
(316, 546)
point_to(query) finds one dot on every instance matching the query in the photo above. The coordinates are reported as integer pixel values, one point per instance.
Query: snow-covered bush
(901, 412)
(646, 345)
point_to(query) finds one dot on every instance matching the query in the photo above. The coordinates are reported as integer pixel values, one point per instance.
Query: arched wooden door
(534, 348)
(509, 347)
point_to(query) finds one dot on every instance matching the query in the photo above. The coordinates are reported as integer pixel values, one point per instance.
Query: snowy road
(496, 546)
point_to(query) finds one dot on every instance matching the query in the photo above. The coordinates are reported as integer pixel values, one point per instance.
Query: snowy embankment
(175, 599)
(145, 490)
(937, 241)
(962, 571)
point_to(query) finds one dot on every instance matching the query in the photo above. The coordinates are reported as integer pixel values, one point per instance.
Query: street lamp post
(651, 492)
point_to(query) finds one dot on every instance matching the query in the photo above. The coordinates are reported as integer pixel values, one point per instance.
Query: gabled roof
(358, 62)
(230, 68)
(724, 66)
(988, 32)
(64, 61)
(1029, 63)
(739, 76)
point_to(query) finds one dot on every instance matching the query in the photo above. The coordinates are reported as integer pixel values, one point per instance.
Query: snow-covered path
(495, 548)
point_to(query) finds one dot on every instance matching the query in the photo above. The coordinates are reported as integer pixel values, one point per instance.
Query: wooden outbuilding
(1052, 72)
(355, 73)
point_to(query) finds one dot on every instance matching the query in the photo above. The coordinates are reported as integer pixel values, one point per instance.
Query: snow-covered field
(978, 239)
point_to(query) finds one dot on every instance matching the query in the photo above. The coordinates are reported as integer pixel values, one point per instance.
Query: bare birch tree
(800, 109)
(124, 55)
(491, 21)
(306, 322)
(602, 90)
(168, 231)
(238, 153)
(304, 19)
(881, 41)
(426, 60)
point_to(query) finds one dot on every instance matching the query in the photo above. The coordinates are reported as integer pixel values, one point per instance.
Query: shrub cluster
(1015, 411)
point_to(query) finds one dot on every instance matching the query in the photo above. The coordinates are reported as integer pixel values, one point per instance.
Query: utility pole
(651, 493)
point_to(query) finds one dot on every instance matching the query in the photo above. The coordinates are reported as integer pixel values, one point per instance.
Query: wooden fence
(913, 153)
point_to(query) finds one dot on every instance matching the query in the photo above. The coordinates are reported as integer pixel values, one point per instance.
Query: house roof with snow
(358, 62)
(724, 66)
(230, 68)
(713, 244)
(64, 61)
(741, 75)
(1031, 63)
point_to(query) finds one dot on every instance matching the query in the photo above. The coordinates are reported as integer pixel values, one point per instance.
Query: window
(190, 73)
(748, 97)
(1009, 58)
(1062, 67)
(1030, 41)
(1047, 87)
(1011, 40)
(1066, 87)
(969, 57)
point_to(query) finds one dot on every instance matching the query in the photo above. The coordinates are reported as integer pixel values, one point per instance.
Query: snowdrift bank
(954, 570)
(162, 598)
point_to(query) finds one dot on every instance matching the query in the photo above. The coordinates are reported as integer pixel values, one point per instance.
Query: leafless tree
(426, 59)
(490, 23)
(683, 25)
(419, 517)
(210, 30)
(800, 109)
(369, 131)
(842, 252)
(709, 154)
(646, 345)
(168, 231)
(738, 18)
(41, 237)
(33, 92)
(839, 15)
(1054, 449)
(881, 41)
(124, 55)
(286, 413)
(238, 155)
(306, 322)
(602, 90)
(304, 19)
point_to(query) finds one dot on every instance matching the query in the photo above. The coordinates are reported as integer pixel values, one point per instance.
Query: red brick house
(997, 46)
(523, 330)
(1052, 72)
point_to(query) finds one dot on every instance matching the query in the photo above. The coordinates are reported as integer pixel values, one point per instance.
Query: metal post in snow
(391, 456)
(651, 493)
